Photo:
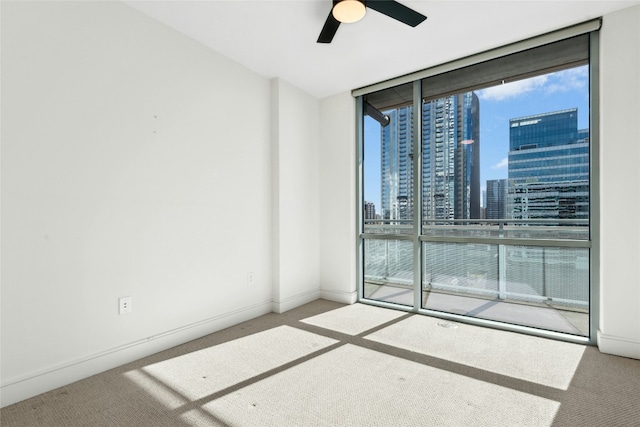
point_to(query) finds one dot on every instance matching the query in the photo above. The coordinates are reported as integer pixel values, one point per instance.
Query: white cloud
(501, 164)
(513, 89)
(566, 80)
(560, 81)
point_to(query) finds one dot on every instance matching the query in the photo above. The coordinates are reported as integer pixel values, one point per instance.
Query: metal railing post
(502, 266)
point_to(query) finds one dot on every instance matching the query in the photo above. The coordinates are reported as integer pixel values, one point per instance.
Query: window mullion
(417, 193)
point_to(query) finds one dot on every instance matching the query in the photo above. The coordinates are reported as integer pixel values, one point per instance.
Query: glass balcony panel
(557, 277)
(388, 271)
(469, 269)
(540, 287)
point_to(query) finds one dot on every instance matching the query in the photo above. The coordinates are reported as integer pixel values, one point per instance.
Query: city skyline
(562, 90)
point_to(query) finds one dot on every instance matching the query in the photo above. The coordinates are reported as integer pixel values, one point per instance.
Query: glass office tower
(496, 199)
(548, 167)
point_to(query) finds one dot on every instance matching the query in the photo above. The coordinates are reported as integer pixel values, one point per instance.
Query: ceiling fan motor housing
(354, 10)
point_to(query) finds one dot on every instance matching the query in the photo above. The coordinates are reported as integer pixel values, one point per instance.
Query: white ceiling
(277, 38)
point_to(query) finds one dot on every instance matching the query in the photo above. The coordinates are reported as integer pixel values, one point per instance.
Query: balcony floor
(541, 316)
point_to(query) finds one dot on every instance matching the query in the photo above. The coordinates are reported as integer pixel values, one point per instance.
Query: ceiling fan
(348, 11)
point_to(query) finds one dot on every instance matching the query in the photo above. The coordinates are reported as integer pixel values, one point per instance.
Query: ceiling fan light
(348, 11)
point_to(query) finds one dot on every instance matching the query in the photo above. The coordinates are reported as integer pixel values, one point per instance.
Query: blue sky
(550, 92)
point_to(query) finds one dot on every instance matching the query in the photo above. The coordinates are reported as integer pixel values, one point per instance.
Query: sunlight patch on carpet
(539, 360)
(390, 392)
(203, 372)
(354, 319)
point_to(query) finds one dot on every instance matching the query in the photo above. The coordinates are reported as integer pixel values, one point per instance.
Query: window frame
(588, 29)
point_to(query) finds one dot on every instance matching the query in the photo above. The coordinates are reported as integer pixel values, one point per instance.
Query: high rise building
(548, 166)
(369, 210)
(483, 205)
(496, 201)
(451, 160)
(397, 165)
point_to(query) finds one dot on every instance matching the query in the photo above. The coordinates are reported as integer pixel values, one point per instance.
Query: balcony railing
(561, 229)
(539, 261)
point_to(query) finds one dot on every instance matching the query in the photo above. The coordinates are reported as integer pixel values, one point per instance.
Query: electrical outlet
(124, 305)
(250, 278)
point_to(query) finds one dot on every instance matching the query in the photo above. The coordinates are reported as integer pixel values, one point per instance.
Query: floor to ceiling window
(476, 190)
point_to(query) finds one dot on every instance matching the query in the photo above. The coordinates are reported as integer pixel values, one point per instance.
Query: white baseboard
(32, 384)
(618, 346)
(339, 296)
(286, 304)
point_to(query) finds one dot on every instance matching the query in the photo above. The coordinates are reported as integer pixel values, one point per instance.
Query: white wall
(338, 198)
(619, 330)
(134, 162)
(296, 203)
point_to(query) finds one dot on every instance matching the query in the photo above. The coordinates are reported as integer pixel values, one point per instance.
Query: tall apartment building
(496, 199)
(397, 165)
(369, 210)
(451, 160)
(548, 166)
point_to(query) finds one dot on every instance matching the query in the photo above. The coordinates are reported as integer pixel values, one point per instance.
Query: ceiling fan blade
(329, 29)
(397, 11)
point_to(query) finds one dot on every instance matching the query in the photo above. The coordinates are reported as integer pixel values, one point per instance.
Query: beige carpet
(538, 360)
(389, 391)
(354, 319)
(179, 380)
(280, 370)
